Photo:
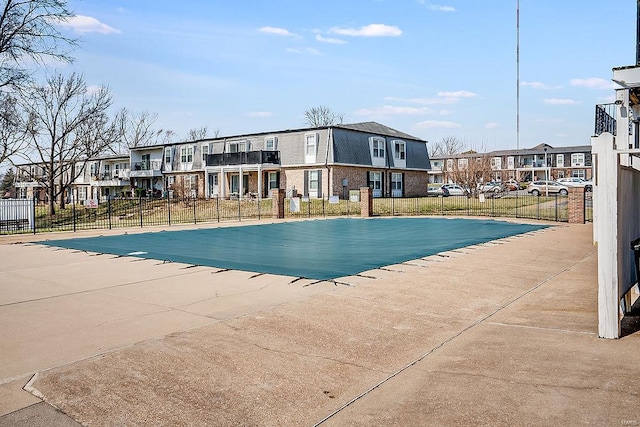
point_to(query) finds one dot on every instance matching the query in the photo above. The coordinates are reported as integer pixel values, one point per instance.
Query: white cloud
(260, 114)
(371, 30)
(593, 83)
(492, 125)
(389, 110)
(436, 124)
(277, 31)
(457, 94)
(425, 101)
(437, 7)
(306, 50)
(560, 101)
(329, 40)
(539, 85)
(87, 24)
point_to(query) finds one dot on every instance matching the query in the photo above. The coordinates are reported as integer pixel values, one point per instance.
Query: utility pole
(518, 72)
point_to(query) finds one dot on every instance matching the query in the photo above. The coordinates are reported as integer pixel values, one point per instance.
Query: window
(449, 164)
(205, 153)
(146, 162)
(378, 147)
(273, 180)
(496, 163)
(399, 150)
(463, 163)
(396, 184)
(310, 147)
(238, 147)
(186, 155)
(270, 143)
(107, 170)
(560, 160)
(375, 182)
(510, 162)
(313, 180)
(577, 159)
(167, 155)
(578, 173)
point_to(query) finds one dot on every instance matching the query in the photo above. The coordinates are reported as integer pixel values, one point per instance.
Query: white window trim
(560, 160)
(205, 153)
(240, 146)
(578, 159)
(378, 151)
(310, 150)
(273, 140)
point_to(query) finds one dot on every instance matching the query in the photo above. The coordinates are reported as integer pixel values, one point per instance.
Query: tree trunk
(52, 198)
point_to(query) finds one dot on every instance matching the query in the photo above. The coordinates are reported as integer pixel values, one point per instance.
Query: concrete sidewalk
(503, 333)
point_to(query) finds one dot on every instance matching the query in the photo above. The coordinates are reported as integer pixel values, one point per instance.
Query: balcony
(146, 169)
(244, 158)
(605, 121)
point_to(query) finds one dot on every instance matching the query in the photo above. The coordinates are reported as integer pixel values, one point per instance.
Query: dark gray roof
(378, 129)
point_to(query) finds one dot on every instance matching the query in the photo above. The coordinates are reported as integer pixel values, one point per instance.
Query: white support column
(259, 182)
(240, 183)
(222, 188)
(605, 214)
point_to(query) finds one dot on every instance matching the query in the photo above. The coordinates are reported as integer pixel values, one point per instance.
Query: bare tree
(447, 146)
(28, 31)
(67, 126)
(322, 116)
(13, 134)
(471, 170)
(197, 133)
(136, 130)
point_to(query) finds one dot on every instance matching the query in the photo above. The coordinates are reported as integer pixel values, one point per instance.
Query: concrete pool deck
(503, 333)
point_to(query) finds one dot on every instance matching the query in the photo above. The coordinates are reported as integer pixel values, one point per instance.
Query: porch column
(259, 182)
(222, 188)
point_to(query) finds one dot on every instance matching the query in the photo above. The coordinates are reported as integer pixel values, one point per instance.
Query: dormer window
(378, 147)
(399, 150)
(271, 143)
(186, 155)
(238, 147)
(310, 147)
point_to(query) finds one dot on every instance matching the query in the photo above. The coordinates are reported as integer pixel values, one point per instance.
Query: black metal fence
(145, 212)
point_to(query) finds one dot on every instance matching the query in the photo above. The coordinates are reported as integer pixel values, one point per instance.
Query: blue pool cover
(320, 249)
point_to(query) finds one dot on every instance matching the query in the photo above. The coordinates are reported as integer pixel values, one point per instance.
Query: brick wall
(576, 205)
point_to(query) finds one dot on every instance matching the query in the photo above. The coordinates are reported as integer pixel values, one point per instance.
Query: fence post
(258, 202)
(73, 212)
(109, 210)
(239, 209)
(195, 217)
(168, 209)
(218, 207)
(33, 212)
(556, 207)
(140, 209)
(516, 203)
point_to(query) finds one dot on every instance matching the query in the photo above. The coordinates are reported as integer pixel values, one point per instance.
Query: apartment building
(540, 162)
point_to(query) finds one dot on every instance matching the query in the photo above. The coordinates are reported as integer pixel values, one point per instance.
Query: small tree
(322, 116)
(7, 188)
(447, 146)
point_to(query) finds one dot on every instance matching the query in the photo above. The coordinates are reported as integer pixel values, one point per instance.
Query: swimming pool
(315, 249)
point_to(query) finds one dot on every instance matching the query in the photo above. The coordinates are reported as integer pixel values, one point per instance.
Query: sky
(433, 70)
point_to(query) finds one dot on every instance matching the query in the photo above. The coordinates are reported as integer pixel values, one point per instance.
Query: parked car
(440, 191)
(576, 182)
(491, 187)
(512, 185)
(542, 187)
(456, 190)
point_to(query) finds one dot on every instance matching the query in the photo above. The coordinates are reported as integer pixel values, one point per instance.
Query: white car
(576, 182)
(456, 190)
